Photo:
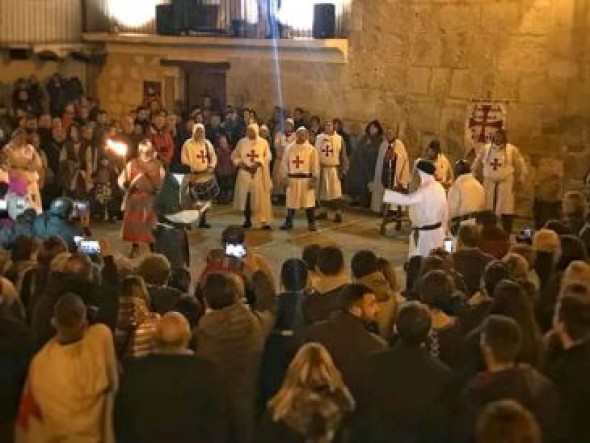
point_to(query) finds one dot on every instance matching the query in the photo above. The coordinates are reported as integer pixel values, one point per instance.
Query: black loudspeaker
(324, 20)
(191, 16)
(164, 20)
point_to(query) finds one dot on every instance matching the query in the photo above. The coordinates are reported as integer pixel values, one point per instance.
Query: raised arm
(395, 198)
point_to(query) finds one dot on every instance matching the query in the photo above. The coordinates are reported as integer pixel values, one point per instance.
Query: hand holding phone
(235, 250)
(90, 247)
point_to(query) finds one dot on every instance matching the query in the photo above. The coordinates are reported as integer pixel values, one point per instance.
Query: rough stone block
(524, 54)
(537, 19)
(440, 82)
(465, 84)
(458, 18)
(424, 114)
(535, 89)
(497, 17)
(426, 50)
(116, 70)
(418, 80)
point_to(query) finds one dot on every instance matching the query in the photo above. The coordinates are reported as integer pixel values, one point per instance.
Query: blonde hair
(134, 287)
(517, 265)
(312, 367)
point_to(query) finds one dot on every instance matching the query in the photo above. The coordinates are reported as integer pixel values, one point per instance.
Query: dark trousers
(507, 223)
(309, 213)
(248, 210)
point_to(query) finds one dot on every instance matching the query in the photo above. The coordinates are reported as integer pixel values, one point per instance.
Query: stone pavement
(359, 230)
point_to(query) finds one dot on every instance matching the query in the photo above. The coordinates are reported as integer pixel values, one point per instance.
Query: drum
(203, 187)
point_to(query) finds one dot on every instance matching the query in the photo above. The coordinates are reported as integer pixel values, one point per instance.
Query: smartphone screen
(448, 244)
(237, 251)
(3, 205)
(80, 206)
(90, 247)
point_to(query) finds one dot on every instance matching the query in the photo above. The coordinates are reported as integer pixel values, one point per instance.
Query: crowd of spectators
(475, 348)
(488, 344)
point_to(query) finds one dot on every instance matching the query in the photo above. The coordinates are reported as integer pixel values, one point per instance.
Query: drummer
(199, 155)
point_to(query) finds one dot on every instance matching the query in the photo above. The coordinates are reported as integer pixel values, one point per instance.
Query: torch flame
(117, 147)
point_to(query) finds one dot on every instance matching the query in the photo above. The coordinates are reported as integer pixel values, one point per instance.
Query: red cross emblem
(203, 157)
(484, 122)
(496, 164)
(297, 162)
(327, 150)
(252, 155)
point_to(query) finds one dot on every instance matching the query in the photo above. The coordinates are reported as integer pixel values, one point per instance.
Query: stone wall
(418, 64)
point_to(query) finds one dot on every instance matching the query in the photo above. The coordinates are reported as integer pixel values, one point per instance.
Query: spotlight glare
(133, 13)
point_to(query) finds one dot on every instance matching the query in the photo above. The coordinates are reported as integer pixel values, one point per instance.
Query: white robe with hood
(428, 207)
(259, 184)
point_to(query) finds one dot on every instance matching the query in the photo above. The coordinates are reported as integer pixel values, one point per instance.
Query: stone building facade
(416, 64)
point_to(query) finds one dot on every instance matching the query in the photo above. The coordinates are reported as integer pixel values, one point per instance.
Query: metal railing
(232, 18)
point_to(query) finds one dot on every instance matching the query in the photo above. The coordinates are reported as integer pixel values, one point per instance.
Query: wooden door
(202, 81)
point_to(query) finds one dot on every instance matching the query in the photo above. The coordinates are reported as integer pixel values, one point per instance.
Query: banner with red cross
(484, 118)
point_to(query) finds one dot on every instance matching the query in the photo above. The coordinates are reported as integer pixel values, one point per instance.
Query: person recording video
(65, 218)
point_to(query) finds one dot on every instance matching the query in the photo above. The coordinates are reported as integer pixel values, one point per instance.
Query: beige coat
(74, 388)
(466, 196)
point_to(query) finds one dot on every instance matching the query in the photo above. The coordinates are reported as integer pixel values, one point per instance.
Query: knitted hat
(546, 240)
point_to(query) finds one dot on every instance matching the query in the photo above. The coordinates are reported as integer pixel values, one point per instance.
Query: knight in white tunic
(333, 161)
(253, 184)
(282, 139)
(199, 155)
(466, 197)
(428, 211)
(444, 171)
(300, 170)
(503, 169)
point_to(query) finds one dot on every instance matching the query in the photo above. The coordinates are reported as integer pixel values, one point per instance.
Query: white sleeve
(395, 198)
(212, 155)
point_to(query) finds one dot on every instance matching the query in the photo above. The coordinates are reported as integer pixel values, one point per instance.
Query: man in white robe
(333, 166)
(503, 170)
(428, 211)
(253, 184)
(444, 171)
(199, 155)
(72, 382)
(300, 170)
(466, 197)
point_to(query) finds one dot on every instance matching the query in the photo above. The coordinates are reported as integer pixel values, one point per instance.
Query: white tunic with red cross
(300, 169)
(329, 148)
(502, 166)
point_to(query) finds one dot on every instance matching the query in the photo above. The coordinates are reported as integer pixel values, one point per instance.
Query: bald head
(173, 333)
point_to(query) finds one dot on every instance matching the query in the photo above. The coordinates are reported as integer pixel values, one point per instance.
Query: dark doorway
(203, 79)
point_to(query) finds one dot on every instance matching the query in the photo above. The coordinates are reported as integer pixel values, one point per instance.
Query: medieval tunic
(25, 164)
(282, 141)
(333, 163)
(77, 164)
(394, 154)
(70, 391)
(199, 155)
(300, 168)
(144, 179)
(428, 213)
(466, 197)
(258, 184)
(501, 166)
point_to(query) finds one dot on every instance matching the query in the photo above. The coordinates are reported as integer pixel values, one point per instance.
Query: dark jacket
(233, 339)
(406, 396)
(163, 298)
(569, 373)
(47, 224)
(470, 263)
(523, 384)
(175, 398)
(17, 347)
(319, 306)
(281, 345)
(348, 342)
